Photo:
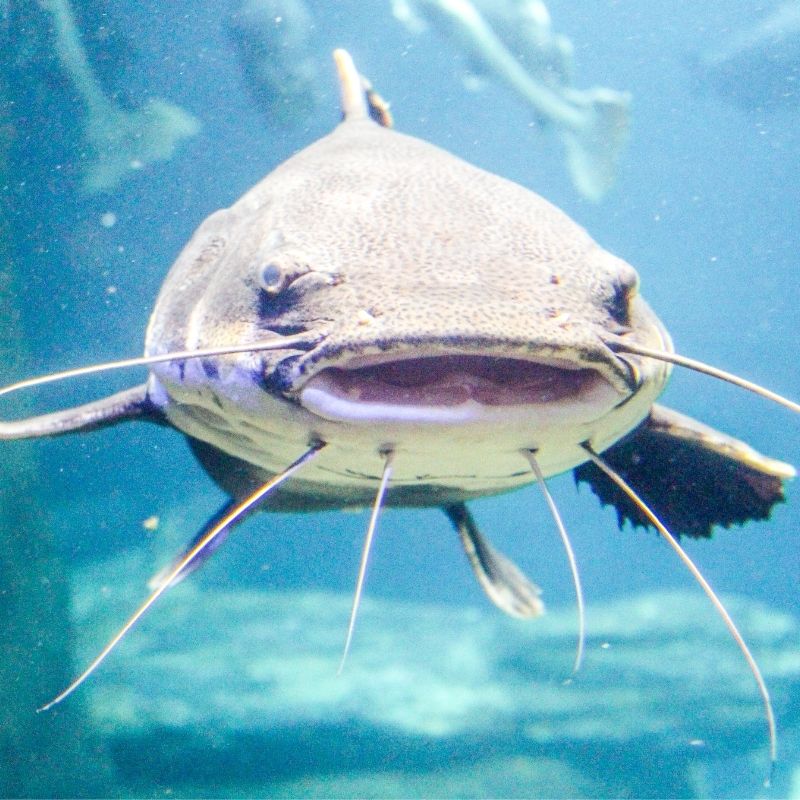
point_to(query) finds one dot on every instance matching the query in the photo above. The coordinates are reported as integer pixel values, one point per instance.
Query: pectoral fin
(504, 583)
(200, 559)
(129, 404)
(692, 476)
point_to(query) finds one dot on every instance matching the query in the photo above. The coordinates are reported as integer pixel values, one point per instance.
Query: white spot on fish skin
(108, 220)
(559, 316)
(275, 239)
(364, 317)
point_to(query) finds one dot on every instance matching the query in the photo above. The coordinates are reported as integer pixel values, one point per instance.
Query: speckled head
(441, 296)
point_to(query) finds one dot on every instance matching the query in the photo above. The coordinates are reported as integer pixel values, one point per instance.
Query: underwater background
(229, 688)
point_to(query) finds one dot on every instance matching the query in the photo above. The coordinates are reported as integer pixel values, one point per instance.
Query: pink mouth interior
(453, 380)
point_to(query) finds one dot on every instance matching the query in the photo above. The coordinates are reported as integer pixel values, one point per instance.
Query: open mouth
(451, 387)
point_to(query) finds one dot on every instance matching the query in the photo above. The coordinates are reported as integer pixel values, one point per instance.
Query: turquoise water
(705, 206)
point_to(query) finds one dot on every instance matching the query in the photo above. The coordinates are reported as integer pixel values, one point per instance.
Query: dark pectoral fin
(236, 477)
(692, 476)
(129, 404)
(504, 583)
(204, 554)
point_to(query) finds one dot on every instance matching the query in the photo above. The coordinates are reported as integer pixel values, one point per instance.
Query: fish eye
(271, 278)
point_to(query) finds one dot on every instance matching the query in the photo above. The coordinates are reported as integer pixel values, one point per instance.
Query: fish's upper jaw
(567, 350)
(431, 383)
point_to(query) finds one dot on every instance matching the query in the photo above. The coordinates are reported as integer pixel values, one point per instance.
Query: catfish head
(452, 317)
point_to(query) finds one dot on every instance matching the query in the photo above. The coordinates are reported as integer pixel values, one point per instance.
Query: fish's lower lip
(452, 388)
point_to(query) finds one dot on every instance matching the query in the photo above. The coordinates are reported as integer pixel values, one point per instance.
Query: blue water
(705, 207)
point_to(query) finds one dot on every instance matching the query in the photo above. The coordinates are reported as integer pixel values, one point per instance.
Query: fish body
(514, 44)
(119, 141)
(273, 42)
(525, 28)
(382, 295)
(760, 67)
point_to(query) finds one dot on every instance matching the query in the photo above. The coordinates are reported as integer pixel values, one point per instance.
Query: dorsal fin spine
(354, 101)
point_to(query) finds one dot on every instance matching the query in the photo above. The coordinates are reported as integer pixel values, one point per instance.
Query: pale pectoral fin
(692, 476)
(126, 405)
(504, 583)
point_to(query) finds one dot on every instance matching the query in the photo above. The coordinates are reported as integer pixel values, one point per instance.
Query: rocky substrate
(222, 692)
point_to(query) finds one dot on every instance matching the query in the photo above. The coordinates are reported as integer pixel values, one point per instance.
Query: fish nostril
(619, 304)
(622, 289)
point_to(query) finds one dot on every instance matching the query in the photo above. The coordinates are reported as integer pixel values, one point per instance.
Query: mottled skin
(398, 248)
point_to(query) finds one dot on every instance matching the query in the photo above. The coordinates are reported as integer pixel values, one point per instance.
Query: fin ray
(693, 476)
(354, 100)
(125, 405)
(502, 581)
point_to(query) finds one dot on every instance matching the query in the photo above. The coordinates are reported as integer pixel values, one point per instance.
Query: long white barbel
(613, 475)
(365, 551)
(285, 343)
(705, 369)
(573, 564)
(231, 517)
